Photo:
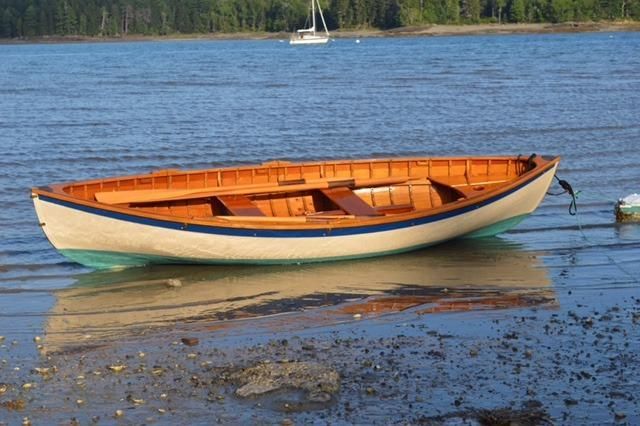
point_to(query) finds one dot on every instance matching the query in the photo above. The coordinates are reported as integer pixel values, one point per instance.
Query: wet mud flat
(573, 360)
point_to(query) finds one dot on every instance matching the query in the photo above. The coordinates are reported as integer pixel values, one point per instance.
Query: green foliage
(30, 21)
(470, 10)
(561, 10)
(114, 18)
(516, 11)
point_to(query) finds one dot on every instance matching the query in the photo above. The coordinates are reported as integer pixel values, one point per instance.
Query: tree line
(115, 18)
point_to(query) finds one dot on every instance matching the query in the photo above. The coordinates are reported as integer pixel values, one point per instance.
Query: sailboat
(309, 35)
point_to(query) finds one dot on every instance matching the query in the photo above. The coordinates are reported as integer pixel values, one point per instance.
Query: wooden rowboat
(282, 212)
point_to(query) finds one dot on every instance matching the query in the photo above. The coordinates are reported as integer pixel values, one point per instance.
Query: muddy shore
(412, 31)
(535, 364)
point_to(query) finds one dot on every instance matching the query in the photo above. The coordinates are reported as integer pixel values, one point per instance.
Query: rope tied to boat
(531, 163)
(567, 189)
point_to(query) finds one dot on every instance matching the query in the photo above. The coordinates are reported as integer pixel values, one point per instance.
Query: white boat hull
(309, 40)
(100, 239)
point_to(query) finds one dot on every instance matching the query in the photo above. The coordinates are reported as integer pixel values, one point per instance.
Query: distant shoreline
(413, 31)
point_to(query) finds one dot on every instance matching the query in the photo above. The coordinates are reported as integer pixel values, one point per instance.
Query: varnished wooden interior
(332, 189)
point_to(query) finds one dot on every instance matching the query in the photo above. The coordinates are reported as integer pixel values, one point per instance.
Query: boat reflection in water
(481, 274)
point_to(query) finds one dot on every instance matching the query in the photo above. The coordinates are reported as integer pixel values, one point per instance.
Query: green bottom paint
(497, 228)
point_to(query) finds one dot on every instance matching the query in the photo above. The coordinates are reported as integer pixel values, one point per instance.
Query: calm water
(78, 111)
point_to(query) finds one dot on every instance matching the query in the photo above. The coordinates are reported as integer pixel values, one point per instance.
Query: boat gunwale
(55, 192)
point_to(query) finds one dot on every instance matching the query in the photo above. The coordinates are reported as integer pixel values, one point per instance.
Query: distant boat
(281, 212)
(309, 35)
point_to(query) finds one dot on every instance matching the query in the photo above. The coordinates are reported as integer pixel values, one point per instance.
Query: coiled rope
(567, 189)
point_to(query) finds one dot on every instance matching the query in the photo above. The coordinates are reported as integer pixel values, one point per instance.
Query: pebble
(136, 401)
(570, 401)
(118, 413)
(620, 416)
(45, 371)
(117, 367)
(174, 283)
(17, 404)
(190, 341)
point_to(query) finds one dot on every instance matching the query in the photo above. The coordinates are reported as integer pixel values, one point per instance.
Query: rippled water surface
(77, 111)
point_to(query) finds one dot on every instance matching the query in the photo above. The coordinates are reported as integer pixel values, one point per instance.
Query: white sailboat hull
(310, 39)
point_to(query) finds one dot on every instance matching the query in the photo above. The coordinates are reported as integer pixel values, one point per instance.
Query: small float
(628, 208)
(280, 212)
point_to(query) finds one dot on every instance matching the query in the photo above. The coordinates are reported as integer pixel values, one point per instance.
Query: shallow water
(77, 111)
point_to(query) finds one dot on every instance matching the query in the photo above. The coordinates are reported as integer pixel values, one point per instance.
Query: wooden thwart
(239, 205)
(463, 187)
(349, 202)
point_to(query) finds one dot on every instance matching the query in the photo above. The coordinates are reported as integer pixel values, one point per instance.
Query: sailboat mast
(313, 15)
(322, 16)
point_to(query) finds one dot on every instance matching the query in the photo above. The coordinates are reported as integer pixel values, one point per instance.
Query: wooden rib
(150, 195)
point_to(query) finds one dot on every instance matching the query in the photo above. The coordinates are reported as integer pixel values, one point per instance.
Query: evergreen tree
(470, 10)
(9, 23)
(516, 11)
(452, 11)
(561, 10)
(30, 22)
